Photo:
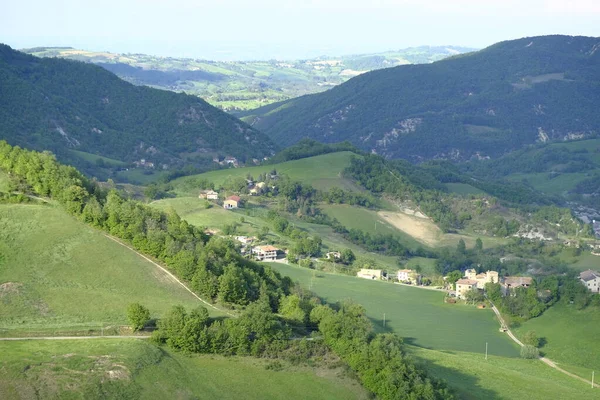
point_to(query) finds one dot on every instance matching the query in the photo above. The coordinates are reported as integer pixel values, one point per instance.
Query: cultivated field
(323, 172)
(418, 315)
(136, 369)
(57, 274)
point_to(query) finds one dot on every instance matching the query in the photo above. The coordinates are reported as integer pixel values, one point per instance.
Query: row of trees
(212, 267)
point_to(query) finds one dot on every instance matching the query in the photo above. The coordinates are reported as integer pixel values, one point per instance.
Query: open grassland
(475, 378)
(586, 261)
(322, 172)
(570, 337)
(548, 183)
(418, 315)
(57, 274)
(136, 369)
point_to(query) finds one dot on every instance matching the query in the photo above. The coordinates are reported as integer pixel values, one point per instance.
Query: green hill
(62, 105)
(59, 275)
(478, 104)
(242, 85)
(136, 369)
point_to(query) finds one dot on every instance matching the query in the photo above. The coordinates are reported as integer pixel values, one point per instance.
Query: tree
(453, 277)
(474, 296)
(347, 256)
(478, 245)
(531, 339)
(461, 247)
(262, 235)
(529, 352)
(138, 316)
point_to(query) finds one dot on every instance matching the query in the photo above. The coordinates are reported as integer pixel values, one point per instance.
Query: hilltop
(92, 119)
(481, 104)
(242, 85)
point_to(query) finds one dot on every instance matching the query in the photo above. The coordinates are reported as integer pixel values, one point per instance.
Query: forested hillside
(243, 85)
(480, 104)
(60, 105)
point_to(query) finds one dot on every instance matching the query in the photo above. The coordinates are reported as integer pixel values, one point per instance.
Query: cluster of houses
(229, 203)
(591, 280)
(474, 281)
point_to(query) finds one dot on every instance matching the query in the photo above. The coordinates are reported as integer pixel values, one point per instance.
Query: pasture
(136, 369)
(570, 337)
(322, 172)
(93, 158)
(463, 189)
(418, 315)
(500, 378)
(57, 274)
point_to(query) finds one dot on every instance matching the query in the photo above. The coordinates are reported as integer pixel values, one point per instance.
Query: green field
(94, 158)
(353, 217)
(58, 274)
(418, 315)
(323, 172)
(548, 183)
(136, 369)
(571, 337)
(499, 378)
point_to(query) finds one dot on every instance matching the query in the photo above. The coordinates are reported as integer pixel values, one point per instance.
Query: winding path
(545, 360)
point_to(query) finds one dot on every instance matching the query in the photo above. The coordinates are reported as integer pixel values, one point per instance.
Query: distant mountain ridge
(480, 104)
(240, 85)
(62, 105)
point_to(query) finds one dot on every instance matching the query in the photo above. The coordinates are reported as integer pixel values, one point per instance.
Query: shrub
(138, 316)
(528, 351)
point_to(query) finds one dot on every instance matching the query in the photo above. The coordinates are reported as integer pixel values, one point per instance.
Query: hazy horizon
(268, 29)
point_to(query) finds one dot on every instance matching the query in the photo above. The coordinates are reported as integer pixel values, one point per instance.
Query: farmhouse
(591, 280)
(232, 202)
(265, 253)
(370, 273)
(483, 278)
(245, 240)
(463, 286)
(408, 275)
(511, 282)
(209, 195)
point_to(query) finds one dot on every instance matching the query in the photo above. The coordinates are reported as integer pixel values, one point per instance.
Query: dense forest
(480, 104)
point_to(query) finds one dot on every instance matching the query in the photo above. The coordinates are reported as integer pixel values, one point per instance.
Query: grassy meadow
(94, 158)
(57, 274)
(136, 369)
(500, 378)
(570, 337)
(418, 315)
(322, 172)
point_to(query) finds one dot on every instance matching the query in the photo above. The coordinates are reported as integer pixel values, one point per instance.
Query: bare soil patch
(423, 230)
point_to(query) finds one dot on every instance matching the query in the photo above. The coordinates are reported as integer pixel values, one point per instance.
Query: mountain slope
(483, 103)
(60, 105)
(241, 85)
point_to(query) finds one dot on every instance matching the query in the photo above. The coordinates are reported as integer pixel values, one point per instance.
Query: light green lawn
(571, 336)
(323, 172)
(475, 378)
(418, 315)
(136, 369)
(59, 274)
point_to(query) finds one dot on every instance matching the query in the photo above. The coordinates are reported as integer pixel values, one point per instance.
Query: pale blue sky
(260, 29)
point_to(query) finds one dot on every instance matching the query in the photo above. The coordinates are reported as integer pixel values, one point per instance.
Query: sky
(285, 29)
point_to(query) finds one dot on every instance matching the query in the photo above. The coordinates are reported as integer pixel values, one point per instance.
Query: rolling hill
(62, 105)
(481, 104)
(241, 85)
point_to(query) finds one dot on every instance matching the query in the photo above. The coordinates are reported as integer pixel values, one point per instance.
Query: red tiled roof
(466, 282)
(234, 198)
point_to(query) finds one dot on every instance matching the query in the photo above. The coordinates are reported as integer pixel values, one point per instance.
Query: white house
(591, 280)
(370, 273)
(405, 275)
(265, 253)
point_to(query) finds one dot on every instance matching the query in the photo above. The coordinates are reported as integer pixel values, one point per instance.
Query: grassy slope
(367, 221)
(64, 274)
(94, 158)
(571, 337)
(323, 172)
(74, 369)
(419, 315)
(501, 378)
